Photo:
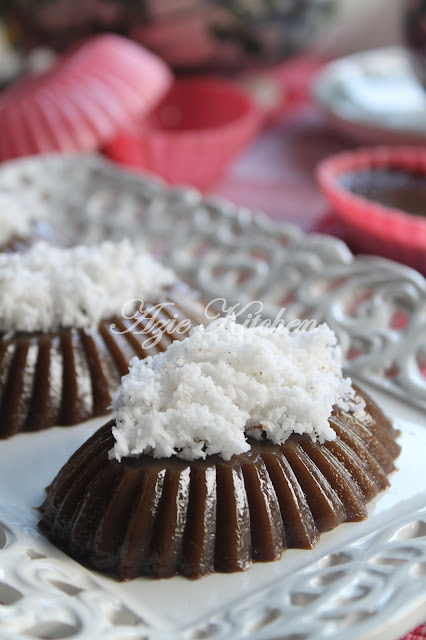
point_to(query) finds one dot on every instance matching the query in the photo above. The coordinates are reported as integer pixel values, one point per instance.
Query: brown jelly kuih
(163, 517)
(68, 376)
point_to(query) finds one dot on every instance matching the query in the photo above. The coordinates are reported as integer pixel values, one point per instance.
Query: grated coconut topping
(47, 288)
(206, 394)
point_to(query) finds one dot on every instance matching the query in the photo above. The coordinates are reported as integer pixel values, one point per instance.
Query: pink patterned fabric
(276, 174)
(417, 634)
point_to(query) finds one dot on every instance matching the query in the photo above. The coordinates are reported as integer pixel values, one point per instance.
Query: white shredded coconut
(47, 287)
(17, 216)
(207, 393)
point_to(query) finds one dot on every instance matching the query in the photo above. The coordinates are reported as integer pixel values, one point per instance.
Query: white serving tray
(363, 580)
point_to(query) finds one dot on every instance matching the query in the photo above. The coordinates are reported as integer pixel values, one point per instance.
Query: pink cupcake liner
(371, 226)
(83, 100)
(192, 135)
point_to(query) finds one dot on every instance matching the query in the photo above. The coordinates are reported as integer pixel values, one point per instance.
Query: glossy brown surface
(393, 188)
(159, 518)
(68, 376)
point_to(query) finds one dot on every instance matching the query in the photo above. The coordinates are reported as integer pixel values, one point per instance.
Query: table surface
(276, 173)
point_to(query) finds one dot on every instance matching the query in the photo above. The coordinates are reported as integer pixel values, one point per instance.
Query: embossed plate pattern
(376, 306)
(363, 580)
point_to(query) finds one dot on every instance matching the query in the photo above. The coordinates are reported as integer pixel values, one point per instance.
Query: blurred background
(260, 94)
(210, 33)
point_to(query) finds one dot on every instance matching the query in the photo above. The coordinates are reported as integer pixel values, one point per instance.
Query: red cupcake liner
(83, 100)
(192, 135)
(373, 227)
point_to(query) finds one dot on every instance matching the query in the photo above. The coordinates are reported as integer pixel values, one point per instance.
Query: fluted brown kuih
(164, 517)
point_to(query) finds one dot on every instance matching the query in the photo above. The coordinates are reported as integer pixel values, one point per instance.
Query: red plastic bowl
(192, 135)
(371, 226)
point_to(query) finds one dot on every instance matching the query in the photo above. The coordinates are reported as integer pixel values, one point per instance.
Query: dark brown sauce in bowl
(390, 187)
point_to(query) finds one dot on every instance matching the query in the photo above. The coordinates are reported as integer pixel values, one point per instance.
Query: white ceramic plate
(374, 96)
(365, 580)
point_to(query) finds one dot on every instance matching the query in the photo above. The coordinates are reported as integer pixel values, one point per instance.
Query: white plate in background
(374, 96)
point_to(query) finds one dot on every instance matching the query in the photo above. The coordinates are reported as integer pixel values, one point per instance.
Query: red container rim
(391, 223)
